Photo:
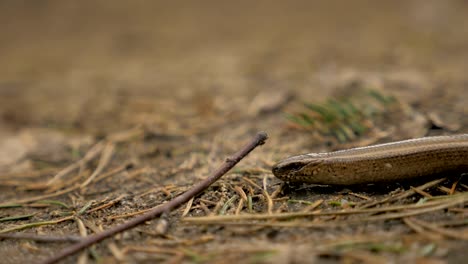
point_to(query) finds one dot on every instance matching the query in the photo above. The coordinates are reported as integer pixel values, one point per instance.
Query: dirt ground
(108, 108)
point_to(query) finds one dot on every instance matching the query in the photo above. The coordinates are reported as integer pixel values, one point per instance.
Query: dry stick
(230, 162)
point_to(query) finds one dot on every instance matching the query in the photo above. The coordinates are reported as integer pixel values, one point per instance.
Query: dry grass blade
(36, 224)
(265, 194)
(408, 210)
(27, 175)
(240, 205)
(241, 193)
(403, 195)
(16, 217)
(355, 242)
(82, 211)
(42, 197)
(159, 250)
(130, 214)
(228, 204)
(312, 206)
(108, 204)
(71, 181)
(360, 196)
(39, 238)
(113, 172)
(64, 191)
(90, 155)
(442, 231)
(421, 192)
(446, 203)
(188, 207)
(420, 230)
(106, 155)
(363, 257)
(118, 254)
(126, 135)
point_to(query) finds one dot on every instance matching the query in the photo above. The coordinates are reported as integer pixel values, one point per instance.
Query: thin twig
(230, 162)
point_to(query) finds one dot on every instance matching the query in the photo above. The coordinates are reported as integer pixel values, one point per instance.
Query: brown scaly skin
(390, 162)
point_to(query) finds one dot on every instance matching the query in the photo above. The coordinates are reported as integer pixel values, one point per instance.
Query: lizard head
(297, 168)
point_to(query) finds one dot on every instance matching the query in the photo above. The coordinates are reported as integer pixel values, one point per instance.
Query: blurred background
(100, 65)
